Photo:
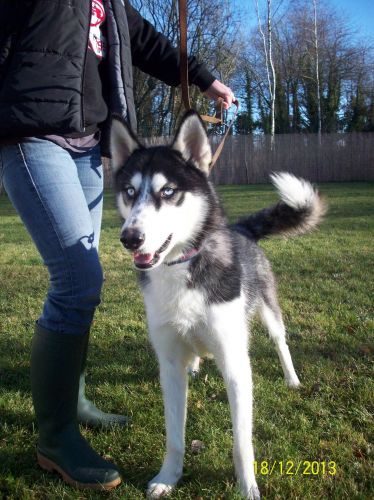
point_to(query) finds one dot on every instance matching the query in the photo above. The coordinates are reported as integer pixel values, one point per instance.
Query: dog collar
(193, 252)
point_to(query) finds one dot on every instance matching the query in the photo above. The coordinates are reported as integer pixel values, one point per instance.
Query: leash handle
(217, 118)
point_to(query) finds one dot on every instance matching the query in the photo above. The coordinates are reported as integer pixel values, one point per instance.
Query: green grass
(326, 288)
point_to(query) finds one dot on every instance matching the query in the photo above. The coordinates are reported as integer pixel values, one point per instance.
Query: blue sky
(360, 13)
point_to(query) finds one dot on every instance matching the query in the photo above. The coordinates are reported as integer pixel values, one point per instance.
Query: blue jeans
(58, 195)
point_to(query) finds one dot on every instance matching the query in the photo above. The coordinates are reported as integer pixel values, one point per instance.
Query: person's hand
(218, 90)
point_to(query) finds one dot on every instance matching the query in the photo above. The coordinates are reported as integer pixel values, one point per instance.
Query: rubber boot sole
(50, 466)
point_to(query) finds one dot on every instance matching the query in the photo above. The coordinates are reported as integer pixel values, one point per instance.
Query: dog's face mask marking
(159, 191)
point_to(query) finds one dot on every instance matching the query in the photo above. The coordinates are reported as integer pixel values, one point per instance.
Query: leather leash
(217, 119)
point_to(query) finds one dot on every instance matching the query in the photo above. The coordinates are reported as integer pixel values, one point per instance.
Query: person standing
(65, 67)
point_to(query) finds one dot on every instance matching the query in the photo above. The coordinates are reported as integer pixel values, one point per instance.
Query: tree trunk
(319, 118)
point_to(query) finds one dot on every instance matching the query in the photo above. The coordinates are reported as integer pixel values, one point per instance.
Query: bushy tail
(300, 210)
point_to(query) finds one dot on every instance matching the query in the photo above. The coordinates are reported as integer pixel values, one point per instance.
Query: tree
(359, 91)
(267, 40)
(318, 92)
(244, 123)
(212, 38)
(300, 70)
(315, 59)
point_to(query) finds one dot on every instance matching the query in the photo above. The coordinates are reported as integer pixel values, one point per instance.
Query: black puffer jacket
(43, 46)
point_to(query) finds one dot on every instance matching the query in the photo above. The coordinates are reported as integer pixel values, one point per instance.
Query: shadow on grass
(14, 365)
(135, 356)
(337, 350)
(131, 361)
(16, 461)
(18, 418)
(196, 476)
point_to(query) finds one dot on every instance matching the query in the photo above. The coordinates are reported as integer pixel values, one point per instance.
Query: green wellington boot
(87, 412)
(56, 361)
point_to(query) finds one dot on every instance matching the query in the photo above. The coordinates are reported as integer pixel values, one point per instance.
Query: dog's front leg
(229, 346)
(173, 356)
(238, 379)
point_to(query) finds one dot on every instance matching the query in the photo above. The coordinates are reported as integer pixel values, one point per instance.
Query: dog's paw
(293, 382)
(193, 373)
(194, 367)
(158, 490)
(248, 489)
(253, 493)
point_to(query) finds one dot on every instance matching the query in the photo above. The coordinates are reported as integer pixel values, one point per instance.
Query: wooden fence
(249, 159)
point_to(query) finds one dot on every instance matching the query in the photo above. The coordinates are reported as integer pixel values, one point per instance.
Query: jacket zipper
(84, 66)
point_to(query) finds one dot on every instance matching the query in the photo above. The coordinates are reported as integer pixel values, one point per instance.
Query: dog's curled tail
(300, 210)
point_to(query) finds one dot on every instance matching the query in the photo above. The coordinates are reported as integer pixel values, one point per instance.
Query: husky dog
(201, 278)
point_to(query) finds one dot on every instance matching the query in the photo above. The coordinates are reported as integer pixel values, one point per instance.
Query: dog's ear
(192, 141)
(123, 143)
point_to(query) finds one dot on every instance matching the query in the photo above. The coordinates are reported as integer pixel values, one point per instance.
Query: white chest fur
(169, 300)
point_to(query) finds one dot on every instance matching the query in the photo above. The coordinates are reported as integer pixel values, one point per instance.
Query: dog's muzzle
(132, 239)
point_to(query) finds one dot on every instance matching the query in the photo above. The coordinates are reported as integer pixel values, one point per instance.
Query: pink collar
(190, 254)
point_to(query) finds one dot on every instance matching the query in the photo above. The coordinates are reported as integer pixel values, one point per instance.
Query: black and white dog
(201, 278)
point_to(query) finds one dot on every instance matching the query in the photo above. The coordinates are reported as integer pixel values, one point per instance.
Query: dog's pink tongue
(142, 258)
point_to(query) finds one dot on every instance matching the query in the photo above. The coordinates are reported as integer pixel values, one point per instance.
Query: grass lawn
(326, 288)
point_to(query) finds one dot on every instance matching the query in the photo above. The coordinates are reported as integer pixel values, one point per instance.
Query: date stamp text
(294, 468)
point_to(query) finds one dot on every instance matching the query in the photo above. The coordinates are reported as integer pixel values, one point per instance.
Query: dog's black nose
(132, 238)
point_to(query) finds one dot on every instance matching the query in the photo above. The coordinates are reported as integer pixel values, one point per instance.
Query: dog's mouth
(149, 260)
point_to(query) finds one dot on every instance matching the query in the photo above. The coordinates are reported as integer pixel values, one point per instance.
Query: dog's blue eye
(167, 192)
(130, 191)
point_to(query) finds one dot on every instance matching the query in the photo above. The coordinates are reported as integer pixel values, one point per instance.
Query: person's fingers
(219, 91)
(229, 98)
